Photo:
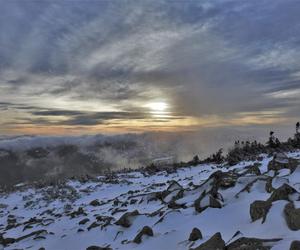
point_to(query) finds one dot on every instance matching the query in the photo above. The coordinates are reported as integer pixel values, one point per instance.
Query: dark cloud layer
(95, 62)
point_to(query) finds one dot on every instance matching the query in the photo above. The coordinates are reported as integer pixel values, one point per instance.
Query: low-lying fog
(28, 158)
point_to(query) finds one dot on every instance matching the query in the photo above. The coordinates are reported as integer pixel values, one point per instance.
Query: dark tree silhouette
(272, 140)
(297, 127)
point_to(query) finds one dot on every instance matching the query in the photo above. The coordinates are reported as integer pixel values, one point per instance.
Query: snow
(171, 227)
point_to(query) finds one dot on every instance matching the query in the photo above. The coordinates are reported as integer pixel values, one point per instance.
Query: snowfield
(257, 202)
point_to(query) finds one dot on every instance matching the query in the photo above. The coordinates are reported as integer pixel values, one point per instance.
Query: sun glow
(158, 107)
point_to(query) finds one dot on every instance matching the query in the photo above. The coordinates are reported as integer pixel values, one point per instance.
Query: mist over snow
(29, 158)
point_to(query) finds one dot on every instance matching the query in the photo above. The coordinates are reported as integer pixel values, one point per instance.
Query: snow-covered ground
(210, 197)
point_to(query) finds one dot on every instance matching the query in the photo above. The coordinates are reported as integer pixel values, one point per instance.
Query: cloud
(95, 62)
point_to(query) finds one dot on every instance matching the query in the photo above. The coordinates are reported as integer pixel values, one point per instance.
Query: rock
(259, 209)
(292, 216)
(254, 169)
(98, 248)
(6, 241)
(11, 220)
(281, 161)
(116, 202)
(245, 243)
(205, 201)
(118, 210)
(84, 221)
(145, 231)
(173, 205)
(223, 180)
(95, 203)
(214, 243)
(133, 201)
(295, 245)
(195, 234)
(35, 233)
(214, 203)
(197, 203)
(282, 193)
(3, 206)
(93, 225)
(174, 186)
(78, 212)
(125, 220)
(268, 187)
(39, 238)
(281, 158)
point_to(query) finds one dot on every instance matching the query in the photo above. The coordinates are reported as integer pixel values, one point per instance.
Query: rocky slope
(250, 205)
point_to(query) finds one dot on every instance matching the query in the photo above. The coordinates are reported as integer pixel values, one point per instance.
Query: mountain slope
(256, 202)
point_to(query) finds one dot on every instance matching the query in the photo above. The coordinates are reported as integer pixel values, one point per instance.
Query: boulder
(295, 245)
(254, 169)
(84, 221)
(93, 225)
(282, 193)
(224, 179)
(126, 219)
(214, 203)
(268, 187)
(173, 205)
(205, 201)
(145, 231)
(6, 241)
(195, 235)
(292, 216)
(174, 185)
(98, 248)
(281, 158)
(80, 211)
(259, 209)
(35, 233)
(281, 161)
(95, 203)
(214, 243)
(245, 243)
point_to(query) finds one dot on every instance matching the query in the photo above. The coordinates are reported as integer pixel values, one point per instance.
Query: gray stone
(281, 161)
(259, 209)
(125, 220)
(214, 203)
(245, 243)
(295, 245)
(98, 248)
(214, 243)
(145, 231)
(195, 234)
(84, 221)
(292, 216)
(282, 193)
(95, 203)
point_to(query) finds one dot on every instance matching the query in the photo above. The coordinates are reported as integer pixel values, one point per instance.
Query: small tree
(195, 160)
(272, 140)
(297, 135)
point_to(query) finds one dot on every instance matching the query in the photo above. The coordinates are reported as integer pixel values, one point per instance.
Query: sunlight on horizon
(157, 106)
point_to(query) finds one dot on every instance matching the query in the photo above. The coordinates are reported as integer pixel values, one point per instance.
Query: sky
(97, 66)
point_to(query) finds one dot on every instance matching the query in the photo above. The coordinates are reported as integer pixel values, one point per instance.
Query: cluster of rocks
(243, 243)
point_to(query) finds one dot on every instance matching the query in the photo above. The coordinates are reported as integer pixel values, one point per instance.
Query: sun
(157, 106)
